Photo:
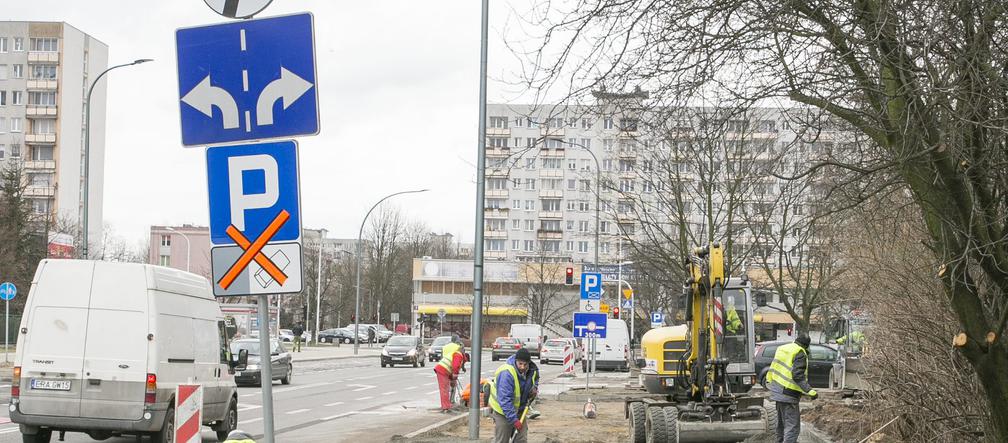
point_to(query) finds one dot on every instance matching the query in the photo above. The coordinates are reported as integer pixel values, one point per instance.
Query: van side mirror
(761, 299)
(242, 360)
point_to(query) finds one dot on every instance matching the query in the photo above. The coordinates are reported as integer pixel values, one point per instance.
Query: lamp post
(87, 148)
(187, 245)
(632, 294)
(360, 233)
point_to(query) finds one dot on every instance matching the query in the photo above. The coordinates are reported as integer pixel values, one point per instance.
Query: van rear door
(115, 352)
(53, 357)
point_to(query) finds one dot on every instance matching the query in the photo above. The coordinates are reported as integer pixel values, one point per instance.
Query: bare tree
(22, 231)
(923, 81)
(544, 295)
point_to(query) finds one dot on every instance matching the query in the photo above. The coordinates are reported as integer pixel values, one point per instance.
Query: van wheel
(167, 432)
(43, 436)
(287, 378)
(423, 361)
(230, 422)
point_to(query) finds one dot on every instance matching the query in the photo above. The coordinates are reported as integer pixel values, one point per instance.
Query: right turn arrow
(289, 86)
(205, 96)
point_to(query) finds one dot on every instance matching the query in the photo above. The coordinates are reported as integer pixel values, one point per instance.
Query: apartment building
(45, 71)
(697, 173)
(186, 248)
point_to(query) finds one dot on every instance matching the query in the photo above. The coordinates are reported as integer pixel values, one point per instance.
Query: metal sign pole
(6, 329)
(266, 368)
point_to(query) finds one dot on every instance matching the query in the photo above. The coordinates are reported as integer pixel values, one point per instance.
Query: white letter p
(240, 201)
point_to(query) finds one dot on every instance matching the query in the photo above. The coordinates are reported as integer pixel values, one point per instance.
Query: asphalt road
(328, 401)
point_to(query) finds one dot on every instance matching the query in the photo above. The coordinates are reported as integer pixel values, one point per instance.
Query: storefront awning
(467, 310)
(772, 317)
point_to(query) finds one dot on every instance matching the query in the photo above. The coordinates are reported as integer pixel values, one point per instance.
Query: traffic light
(570, 276)
(615, 312)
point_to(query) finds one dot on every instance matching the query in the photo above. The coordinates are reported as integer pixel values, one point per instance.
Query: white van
(102, 347)
(530, 335)
(612, 352)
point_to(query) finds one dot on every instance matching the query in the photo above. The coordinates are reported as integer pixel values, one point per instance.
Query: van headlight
(252, 367)
(411, 353)
(384, 352)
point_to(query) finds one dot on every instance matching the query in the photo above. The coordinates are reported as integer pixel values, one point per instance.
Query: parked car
(140, 331)
(553, 351)
(504, 347)
(821, 359)
(334, 335)
(382, 334)
(281, 368)
(530, 335)
(403, 349)
(434, 352)
(286, 335)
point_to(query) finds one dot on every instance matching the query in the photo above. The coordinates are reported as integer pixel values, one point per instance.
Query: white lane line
(388, 393)
(432, 384)
(249, 395)
(334, 403)
(297, 411)
(241, 33)
(362, 387)
(251, 420)
(9, 430)
(248, 121)
(376, 412)
(4, 386)
(249, 408)
(245, 80)
(313, 385)
(411, 387)
(365, 398)
(331, 417)
(432, 392)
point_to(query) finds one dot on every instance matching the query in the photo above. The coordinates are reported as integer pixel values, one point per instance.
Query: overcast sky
(398, 85)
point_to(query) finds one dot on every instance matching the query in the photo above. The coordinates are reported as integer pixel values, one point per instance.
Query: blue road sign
(657, 318)
(627, 304)
(590, 325)
(249, 185)
(591, 286)
(7, 291)
(247, 80)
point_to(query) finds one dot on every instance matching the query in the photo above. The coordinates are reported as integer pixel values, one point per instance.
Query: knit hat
(803, 340)
(523, 355)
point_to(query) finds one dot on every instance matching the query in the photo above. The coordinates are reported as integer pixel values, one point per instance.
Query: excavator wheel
(770, 414)
(655, 426)
(671, 424)
(637, 422)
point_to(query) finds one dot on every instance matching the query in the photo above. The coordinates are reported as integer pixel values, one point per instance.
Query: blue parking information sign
(591, 286)
(255, 218)
(247, 80)
(590, 325)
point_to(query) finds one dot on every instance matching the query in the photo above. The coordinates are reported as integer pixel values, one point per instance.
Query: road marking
(331, 417)
(433, 392)
(313, 385)
(251, 420)
(334, 403)
(376, 412)
(365, 398)
(9, 430)
(249, 408)
(297, 411)
(411, 387)
(388, 393)
(241, 34)
(4, 386)
(362, 387)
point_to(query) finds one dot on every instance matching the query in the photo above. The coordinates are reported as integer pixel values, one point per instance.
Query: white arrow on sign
(289, 86)
(205, 96)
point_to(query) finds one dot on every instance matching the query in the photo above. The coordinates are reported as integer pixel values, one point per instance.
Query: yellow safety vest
(783, 363)
(447, 352)
(494, 404)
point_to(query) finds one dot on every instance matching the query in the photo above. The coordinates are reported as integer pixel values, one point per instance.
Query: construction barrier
(188, 413)
(568, 361)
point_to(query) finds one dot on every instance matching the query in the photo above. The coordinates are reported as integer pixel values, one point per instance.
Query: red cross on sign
(253, 251)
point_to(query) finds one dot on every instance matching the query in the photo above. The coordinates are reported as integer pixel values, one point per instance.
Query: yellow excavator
(698, 374)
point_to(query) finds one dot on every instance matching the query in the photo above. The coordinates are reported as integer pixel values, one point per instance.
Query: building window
(530, 185)
(626, 185)
(17, 98)
(571, 184)
(15, 124)
(585, 185)
(529, 225)
(3, 151)
(165, 260)
(586, 123)
(583, 226)
(586, 143)
(603, 226)
(498, 142)
(551, 246)
(3, 98)
(516, 224)
(607, 123)
(582, 246)
(628, 124)
(18, 44)
(608, 144)
(3, 125)
(44, 126)
(40, 206)
(607, 164)
(515, 204)
(572, 165)
(499, 122)
(44, 44)
(15, 150)
(42, 98)
(530, 205)
(530, 163)
(552, 205)
(570, 223)
(583, 206)
(3, 44)
(3, 72)
(42, 153)
(43, 72)
(165, 240)
(515, 244)
(570, 246)
(18, 71)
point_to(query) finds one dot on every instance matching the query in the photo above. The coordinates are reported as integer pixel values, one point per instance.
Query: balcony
(40, 111)
(551, 173)
(498, 173)
(550, 214)
(498, 152)
(40, 165)
(497, 193)
(40, 191)
(495, 213)
(42, 85)
(498, 132)
(43, 57)
(628, 134)
(40, 138)
(627, 154)
(551, 132)
(494, 234)
(549, 234)
(626, 217)
(551, 193)
(552, 153)
(496, 255)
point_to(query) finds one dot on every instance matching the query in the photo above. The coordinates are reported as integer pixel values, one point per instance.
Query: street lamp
(632, 294)
(187, 248)
(87, 146)
(360, 233)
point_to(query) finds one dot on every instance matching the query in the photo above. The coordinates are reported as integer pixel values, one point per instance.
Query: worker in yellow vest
(447, 371)
(514, 385)
(788, 381)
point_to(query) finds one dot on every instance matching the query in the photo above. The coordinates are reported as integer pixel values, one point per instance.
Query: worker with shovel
(514, 385)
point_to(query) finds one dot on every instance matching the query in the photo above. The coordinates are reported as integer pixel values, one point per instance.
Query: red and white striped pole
(188, 413)
(568, 361)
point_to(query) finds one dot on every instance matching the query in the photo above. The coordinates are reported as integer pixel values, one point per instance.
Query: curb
(448, 422)
(335, 357)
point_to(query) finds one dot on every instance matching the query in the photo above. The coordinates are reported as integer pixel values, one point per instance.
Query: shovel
(522, 419)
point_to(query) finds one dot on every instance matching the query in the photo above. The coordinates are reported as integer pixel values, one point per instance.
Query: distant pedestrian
(297, 330)
(370, 336)
(788, 381)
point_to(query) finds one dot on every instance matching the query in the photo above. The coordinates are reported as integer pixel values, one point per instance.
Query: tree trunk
(992, 370)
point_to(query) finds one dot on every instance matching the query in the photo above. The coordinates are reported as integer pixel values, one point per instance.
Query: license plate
(50, 385)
